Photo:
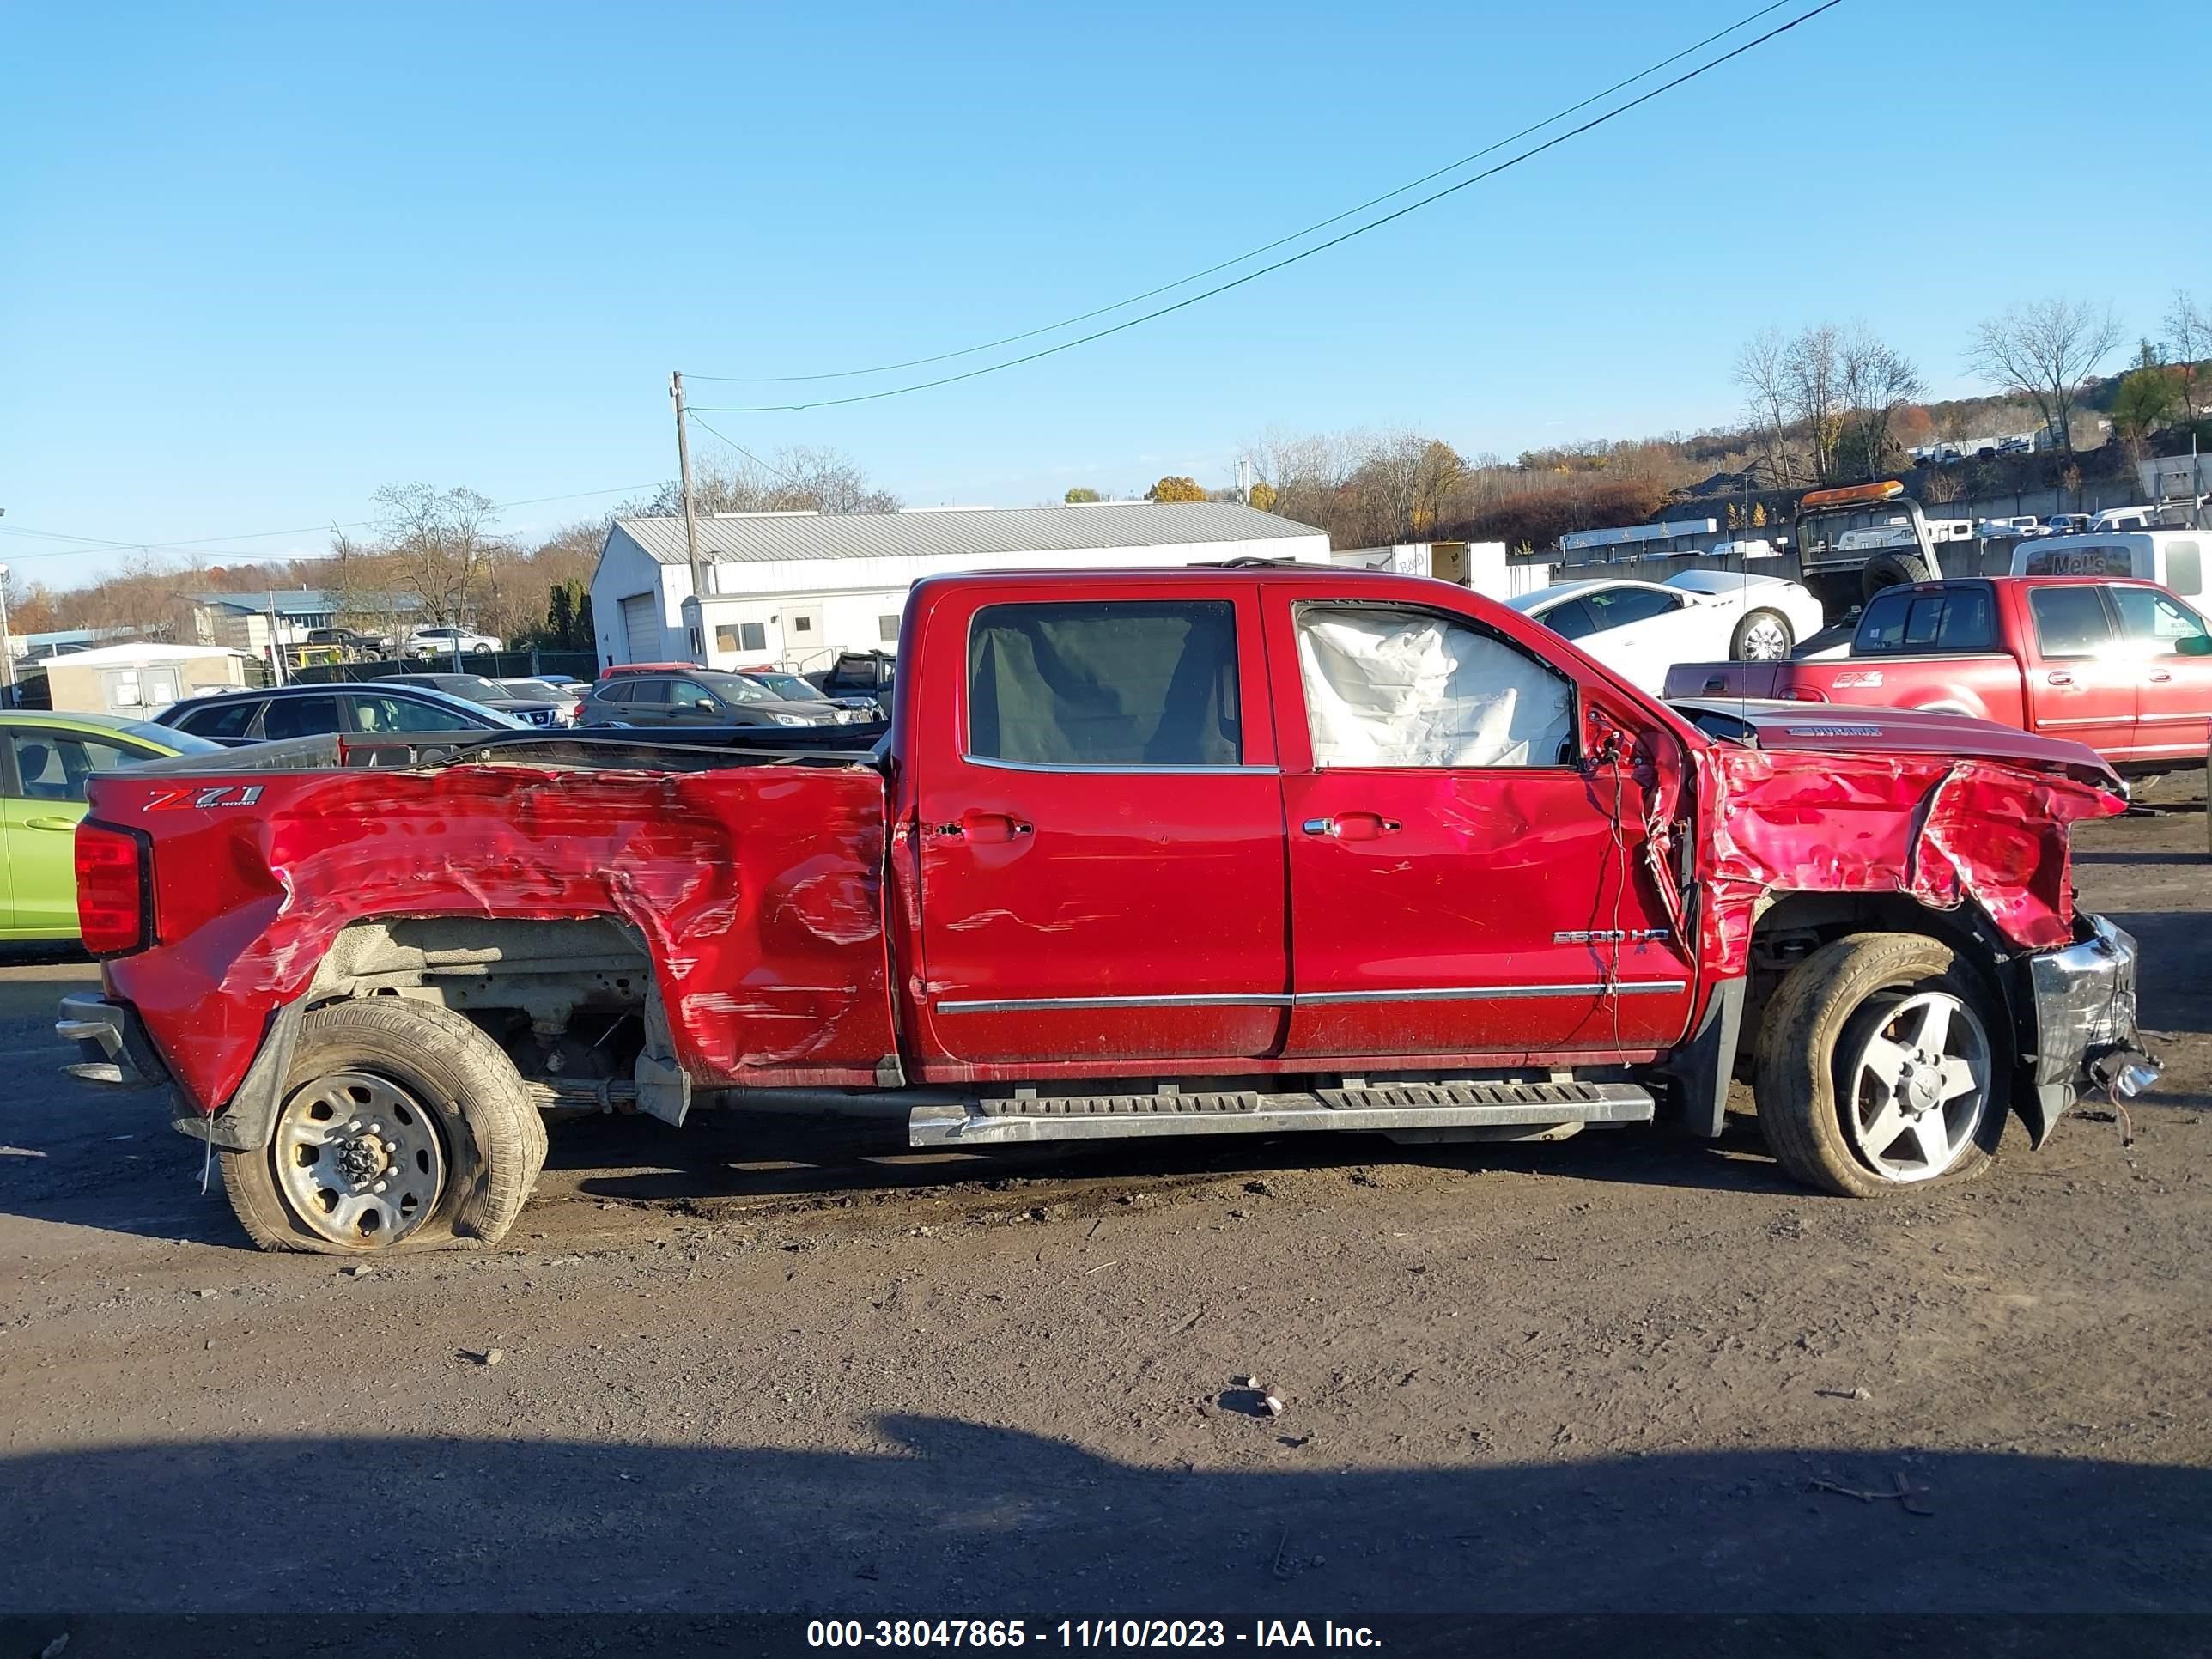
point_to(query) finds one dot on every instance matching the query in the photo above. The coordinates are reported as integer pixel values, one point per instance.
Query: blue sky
(261, 260)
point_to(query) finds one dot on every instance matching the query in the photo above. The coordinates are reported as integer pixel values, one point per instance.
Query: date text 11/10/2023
(1080, 1633)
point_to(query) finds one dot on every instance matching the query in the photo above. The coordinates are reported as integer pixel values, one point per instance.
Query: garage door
(640, 627)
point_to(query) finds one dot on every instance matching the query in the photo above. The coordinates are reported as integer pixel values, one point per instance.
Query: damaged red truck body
(1228, 849)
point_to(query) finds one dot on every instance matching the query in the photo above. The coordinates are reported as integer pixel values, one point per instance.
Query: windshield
(735, 688)
(789, 686)
(471, 686)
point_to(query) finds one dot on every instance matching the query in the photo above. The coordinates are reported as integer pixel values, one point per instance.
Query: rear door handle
(987, 828)
(1353, 826)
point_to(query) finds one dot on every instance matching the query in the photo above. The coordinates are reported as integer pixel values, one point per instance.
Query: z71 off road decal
(228, 794)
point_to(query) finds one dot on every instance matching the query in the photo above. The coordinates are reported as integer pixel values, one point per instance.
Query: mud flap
(1701, 1067)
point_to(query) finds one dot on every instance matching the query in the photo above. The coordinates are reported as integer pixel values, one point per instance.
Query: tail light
(114, 890)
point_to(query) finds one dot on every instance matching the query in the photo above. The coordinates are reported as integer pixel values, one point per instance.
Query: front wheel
(402, 1125)
(1763, 636)
(1879, 1068)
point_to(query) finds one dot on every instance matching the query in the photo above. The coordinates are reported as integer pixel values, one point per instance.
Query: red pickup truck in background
(1148, 853)
(2122, 666)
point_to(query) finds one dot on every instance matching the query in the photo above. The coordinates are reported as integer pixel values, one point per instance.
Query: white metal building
(794, 589)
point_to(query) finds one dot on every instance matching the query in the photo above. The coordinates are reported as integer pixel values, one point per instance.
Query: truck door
(2165, 641)
(1099, 825)
(2080, 686)
(1461, 881)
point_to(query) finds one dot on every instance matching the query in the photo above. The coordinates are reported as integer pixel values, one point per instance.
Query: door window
(222, 717)
(300, 717)
(1617, 607)
(1569, 621)
(2070, 621)
(382, 712)
(690, 694)
(1389, 687)
(1899, 621)
(647, 691)
(1105, 682)
(53, 765)
(2148, 617)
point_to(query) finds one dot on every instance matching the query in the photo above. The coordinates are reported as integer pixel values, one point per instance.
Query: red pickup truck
(2122, 666)
(1225, 849)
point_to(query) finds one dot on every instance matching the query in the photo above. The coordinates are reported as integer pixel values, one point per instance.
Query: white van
(2172, 558)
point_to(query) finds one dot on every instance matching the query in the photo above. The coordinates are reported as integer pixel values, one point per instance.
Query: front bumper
(2084, 999)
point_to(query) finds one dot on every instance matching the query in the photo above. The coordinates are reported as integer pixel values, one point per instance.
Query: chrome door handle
(1353, 826)
(2159, 677)
(1319, 826)
(2059, 678)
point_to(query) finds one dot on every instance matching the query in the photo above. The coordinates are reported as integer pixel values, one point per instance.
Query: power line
(108, 544)
(1265, 247)
(1307, 254)
(740, 447)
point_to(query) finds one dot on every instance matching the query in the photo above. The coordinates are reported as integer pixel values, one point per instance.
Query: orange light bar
(1852, 494)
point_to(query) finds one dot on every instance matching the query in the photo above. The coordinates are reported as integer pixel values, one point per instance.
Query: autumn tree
(2148, 396)
(2044, 351)
(1175, 488)
(1080, 495)
(1261, 496)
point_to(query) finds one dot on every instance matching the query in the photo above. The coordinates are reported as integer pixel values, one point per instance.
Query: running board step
(1382, 1106)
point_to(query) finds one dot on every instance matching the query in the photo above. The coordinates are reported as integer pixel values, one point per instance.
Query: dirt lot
(787, 1365)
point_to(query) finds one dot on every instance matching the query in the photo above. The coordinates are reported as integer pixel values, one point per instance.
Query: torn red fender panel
(758, 893)
(1945, 831)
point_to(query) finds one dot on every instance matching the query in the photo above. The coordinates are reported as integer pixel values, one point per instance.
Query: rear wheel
(1763, 636)
(1880, 1066)
(402, 1125)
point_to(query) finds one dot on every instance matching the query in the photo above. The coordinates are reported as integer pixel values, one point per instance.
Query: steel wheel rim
(1765, 640)
(360, 1159)
(1918, 1087)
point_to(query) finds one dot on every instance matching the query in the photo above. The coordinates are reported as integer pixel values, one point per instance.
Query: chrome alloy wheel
(1766, 640)
(1919, 1084)
(360, 1160)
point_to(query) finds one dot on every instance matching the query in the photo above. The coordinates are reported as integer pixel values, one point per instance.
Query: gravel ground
(784, 1365)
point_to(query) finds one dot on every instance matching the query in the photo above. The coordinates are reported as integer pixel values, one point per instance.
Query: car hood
(822, 713)
(1840, 728)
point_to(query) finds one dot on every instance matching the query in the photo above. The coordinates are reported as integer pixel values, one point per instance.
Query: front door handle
(2159, 677)
(50, 824)
(2059, 677)
(1353, 826)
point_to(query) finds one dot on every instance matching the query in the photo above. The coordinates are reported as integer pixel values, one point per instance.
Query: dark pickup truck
(1143, 853)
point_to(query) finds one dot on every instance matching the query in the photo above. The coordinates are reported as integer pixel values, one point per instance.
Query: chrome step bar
(1389, 1107)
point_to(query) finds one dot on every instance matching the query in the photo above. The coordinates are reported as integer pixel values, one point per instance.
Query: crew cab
(1148, 853)
(2122, 667)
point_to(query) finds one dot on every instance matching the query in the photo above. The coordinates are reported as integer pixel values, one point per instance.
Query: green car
(43, 765)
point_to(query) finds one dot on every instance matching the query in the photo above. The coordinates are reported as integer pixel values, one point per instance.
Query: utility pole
(7, 648)
(690, 522)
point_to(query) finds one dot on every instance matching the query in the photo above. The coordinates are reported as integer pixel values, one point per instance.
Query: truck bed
(749, 884)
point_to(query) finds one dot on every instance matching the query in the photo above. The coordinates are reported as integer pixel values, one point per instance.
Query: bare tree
(801, 480)
(1760, 370)
(2189, 342)
(442, 542)
(1812, 380)
(1876, 381)
(2044, 351)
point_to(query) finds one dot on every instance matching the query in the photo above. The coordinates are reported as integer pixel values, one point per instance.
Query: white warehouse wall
(851, 595)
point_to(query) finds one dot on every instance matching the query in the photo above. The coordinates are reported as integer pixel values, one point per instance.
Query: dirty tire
(1767, 625)
(1823, 1006)
(1892, 569)
(492, 1133)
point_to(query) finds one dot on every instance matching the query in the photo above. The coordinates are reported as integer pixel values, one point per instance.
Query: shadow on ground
(957, 1516)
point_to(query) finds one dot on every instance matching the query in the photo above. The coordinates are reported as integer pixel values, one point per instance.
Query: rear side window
(2184, 568)
(1569, 621)
(646, 690)
(222, 717)
(2070, 621)
(379, 711)
(1899, 622)
(300, 717)
(1110, 683)
(54, 765)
